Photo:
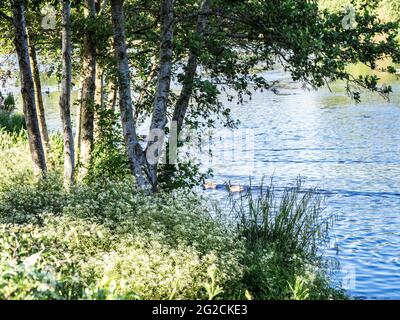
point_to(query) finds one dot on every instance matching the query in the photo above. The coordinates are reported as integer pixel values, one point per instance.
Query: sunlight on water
(352, 154)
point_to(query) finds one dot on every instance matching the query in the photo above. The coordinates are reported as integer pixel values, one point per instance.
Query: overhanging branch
(4, 16)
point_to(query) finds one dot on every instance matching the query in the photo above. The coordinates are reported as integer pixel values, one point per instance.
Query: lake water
(350, 152)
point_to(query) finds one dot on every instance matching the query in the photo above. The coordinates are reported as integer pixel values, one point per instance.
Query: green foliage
(8, 103)
(25, 279)
(107, 240)
(299, 289)
(212, 288)
(12, 122)
(290, 219)
(183, 175)
(108, 158)
(56, 156)
(334, 5)
(15, 159)
(282, 231)
(12, 140)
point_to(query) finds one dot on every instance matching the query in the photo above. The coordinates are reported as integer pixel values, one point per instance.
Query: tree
(182, 104)
(38, 92)
(88, 91)
(27, 87)
(211, 48)
(159, 117)
(100, 72)
(133, 148)
(65, 95)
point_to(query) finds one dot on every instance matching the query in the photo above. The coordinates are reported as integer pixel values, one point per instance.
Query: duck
(210, 185)
(235, 188)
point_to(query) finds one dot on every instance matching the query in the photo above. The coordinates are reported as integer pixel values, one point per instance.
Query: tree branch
(8, 18)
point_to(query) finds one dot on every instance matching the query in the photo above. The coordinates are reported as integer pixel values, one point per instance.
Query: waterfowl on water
(236, 188)
(210, 185)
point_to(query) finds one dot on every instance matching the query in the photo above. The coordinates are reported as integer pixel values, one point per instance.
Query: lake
(350, 152)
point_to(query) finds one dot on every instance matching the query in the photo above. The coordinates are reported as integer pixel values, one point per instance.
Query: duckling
(210, 185)
(236, 188)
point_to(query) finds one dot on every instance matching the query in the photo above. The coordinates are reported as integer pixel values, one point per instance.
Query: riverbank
(106, 240)
(349, 151)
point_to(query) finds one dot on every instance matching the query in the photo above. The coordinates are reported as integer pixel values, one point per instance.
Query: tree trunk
(98, 98)
(112, 93)
(182, 104)
(101, 6)
(99, 93)
(133, 148)
(27, 88)
(39, 98)
(88, 93)
(65, 95)
(159, 117)
(78, 128)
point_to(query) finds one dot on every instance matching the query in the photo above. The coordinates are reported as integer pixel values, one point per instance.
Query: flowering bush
(106, 240)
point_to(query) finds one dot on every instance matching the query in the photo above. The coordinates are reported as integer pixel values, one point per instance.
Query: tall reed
(290, 219)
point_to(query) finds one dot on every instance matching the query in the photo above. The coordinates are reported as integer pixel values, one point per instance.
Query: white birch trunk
(65, 95)
(39, 98)
(27, 88)
(159, 116)
(133, 148)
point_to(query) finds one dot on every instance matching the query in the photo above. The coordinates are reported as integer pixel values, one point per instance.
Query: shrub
(8, 103)
(15, 159)
(12, 122)
(16, 163)
(104, 239)
(185, 174)
(152, 248)
(48, 260)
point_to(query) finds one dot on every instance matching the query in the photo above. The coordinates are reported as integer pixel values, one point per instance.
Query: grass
(283, 232)
(291, 219)
(106, 240)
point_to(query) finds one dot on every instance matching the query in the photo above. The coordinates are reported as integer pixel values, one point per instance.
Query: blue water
(350, 152)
